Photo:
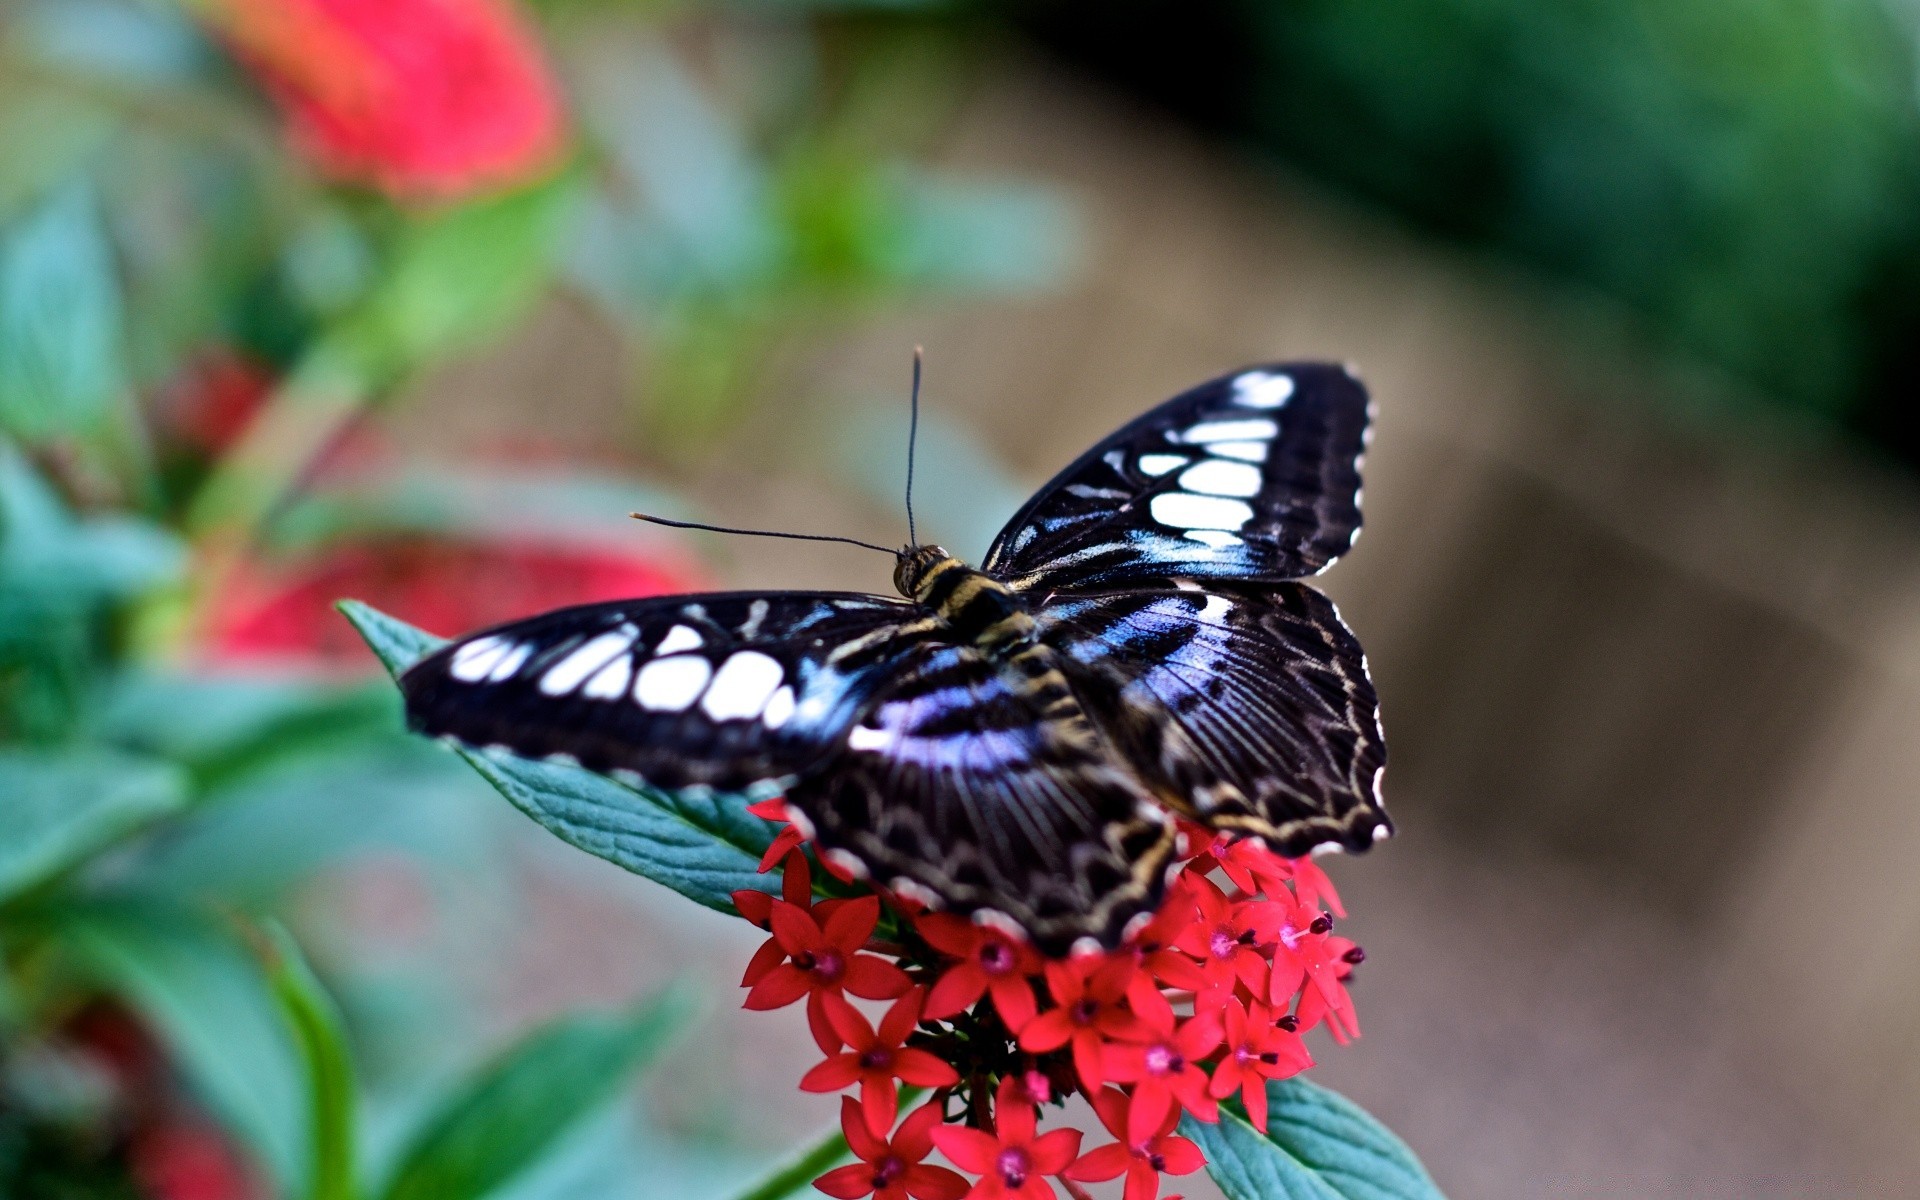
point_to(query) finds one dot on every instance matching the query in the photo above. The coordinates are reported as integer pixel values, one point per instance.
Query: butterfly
(1016, 742)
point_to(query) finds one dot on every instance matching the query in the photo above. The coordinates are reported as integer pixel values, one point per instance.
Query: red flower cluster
(425, 99)
(1206, 1000)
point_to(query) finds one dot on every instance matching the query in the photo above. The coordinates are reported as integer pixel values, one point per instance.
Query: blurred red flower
(424, 99)
(211, 400)
(286, 613)
(189, 1162)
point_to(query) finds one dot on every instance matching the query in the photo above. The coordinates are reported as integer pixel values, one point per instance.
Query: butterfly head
(918, 566)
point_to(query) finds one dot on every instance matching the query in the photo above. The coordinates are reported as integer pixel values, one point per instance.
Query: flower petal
(969, 1149)
(1100, 1164)
(957, 991)
(1053, 1151)
(839, 1071)
(934, 1183)
(847, 1183)
(852, 923)
(861, 1139)
(1013, 999)
(873, 978)
(781, 987)
(923, 1069)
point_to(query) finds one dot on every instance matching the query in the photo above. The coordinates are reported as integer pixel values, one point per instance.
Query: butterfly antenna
(913, 436)
(798, 537)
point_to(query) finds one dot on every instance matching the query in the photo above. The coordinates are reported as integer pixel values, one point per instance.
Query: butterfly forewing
(1254, 475)
(727, 690)
(965, 787)
(1251, 704)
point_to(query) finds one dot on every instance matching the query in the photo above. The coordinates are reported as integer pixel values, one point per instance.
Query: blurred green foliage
(1743, 176)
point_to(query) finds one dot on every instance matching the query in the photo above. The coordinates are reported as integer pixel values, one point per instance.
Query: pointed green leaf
(517, 1108)
(211, 1003)
(58, 810)
(1318, 1146)
(706, 847)
(321, 1035)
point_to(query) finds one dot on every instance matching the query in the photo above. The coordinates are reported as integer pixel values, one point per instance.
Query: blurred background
(414, 300)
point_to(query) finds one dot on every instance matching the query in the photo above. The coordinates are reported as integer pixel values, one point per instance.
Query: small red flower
(821, 959)
(423, 98)
(1089, 1011)
(891, 1169)
(1012, 1163)
(1154, 947)
(796, 885)
(1227, 937)
(875, 1058)
(1304, 954)
(1141, 1160)
(987, 961)
(1164, 1071)
(1258, 1049)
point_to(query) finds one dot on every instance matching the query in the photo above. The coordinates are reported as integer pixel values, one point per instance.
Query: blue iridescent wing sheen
(727, 690)
(1249, 704)
(970, 785)
(1254, 475)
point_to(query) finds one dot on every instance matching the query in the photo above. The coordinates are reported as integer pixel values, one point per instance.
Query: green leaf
(517, 1108)
(207, 997)
(706, 847)
(1318, 1146)
(463, 275)
(59, 318)
(318, 1029)
(61, 809)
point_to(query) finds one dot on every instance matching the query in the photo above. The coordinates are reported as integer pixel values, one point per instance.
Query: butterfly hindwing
(1251, 703)
(971, 786)
(728, 690)
(1254, 475)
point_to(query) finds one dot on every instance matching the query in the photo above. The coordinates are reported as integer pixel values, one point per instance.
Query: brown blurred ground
(1652, 683)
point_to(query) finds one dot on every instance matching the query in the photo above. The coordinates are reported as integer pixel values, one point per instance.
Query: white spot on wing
(1262, 389)
(866, 737)
(779, 709)
(610, 681)
(573, 670)
(475, 660)
(1160, 464)
(1219, 539)
(1250, 429)
(1218, 477)
(1215, 610)
(1184, 510)
(742, 686)
(510, 665)
(1253, 452)
(670, 684)
(680, 637)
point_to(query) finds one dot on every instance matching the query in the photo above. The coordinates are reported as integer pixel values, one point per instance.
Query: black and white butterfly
(1011, 742)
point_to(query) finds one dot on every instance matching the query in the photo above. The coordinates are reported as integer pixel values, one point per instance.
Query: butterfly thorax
(979, 609)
